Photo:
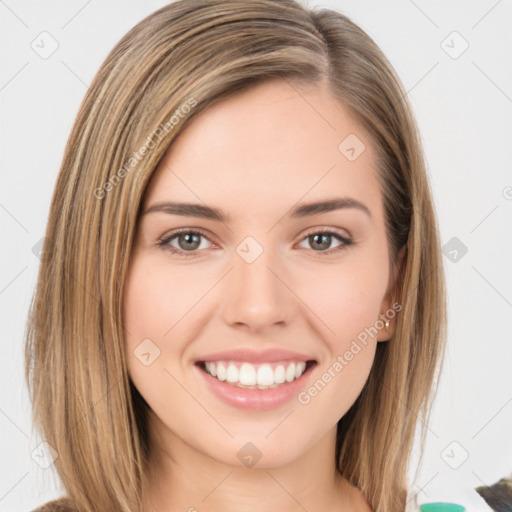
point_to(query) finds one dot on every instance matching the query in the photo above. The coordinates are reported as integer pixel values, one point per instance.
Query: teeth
(247, 375)
(255, 376)
(212, 369)
(265, 375)
(232, 373)
(290, 372)
(221, 371)
(280, 374)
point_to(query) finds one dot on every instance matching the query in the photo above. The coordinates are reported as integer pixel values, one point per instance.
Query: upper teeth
(261, 376)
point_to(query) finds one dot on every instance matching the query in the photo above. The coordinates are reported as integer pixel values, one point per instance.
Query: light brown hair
(197, 52)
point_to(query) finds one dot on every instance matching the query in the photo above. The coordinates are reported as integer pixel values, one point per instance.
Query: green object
(441, 507)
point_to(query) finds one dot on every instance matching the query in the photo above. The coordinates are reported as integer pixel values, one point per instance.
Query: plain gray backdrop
(454, 60)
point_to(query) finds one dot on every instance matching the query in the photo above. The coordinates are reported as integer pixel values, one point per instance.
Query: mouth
(258, 376)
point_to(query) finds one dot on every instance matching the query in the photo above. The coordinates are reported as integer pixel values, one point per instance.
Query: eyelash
(164, 242)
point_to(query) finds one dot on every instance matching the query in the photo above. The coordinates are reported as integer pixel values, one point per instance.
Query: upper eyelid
(335, 231)
(179, 231)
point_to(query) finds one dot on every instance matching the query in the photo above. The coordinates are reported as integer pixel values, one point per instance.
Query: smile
(255, 376)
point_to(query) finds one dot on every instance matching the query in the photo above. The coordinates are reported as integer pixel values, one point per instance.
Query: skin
(255, 156)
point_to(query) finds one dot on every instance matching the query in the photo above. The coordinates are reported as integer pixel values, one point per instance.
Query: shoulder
(59, 505)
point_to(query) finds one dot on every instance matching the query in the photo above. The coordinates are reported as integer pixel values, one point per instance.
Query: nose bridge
(256, 294)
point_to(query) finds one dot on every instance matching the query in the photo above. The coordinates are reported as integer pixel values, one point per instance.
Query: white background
(463, 106)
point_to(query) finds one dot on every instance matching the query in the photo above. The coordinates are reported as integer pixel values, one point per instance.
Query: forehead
(276, 143)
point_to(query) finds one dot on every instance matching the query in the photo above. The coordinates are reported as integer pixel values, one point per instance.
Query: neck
(185, 478)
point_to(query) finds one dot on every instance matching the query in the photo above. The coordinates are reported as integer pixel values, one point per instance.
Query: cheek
(144, 306)
(153, 304)
(156, 300)
(346, 300)
(163, 305)
(346, 305)
(157, 314)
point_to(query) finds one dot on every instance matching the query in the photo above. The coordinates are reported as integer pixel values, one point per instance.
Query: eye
(323, 238)
(188, 241)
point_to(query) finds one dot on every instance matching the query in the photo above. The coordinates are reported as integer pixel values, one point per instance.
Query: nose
(257, 295)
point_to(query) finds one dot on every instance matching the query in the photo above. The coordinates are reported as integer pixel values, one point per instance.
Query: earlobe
(387, 320)
(384, 324)
(387, 331)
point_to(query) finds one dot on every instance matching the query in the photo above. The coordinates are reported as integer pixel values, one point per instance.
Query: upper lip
(270, 355)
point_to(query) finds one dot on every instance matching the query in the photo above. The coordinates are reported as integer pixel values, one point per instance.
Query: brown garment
(59, 505)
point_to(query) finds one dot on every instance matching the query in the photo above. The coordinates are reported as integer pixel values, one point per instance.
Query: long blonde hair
(168, 68)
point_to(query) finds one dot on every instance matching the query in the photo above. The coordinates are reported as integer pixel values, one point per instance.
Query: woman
(305, 323)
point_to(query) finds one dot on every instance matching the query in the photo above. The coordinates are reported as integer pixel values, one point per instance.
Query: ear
(389, 309)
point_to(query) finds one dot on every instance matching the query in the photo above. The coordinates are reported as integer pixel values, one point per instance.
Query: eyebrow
(207, 212)
(304, 210)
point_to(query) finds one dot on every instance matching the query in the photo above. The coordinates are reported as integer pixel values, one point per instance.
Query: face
(272, 282)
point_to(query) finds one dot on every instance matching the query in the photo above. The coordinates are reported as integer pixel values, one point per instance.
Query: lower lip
(255, 399)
